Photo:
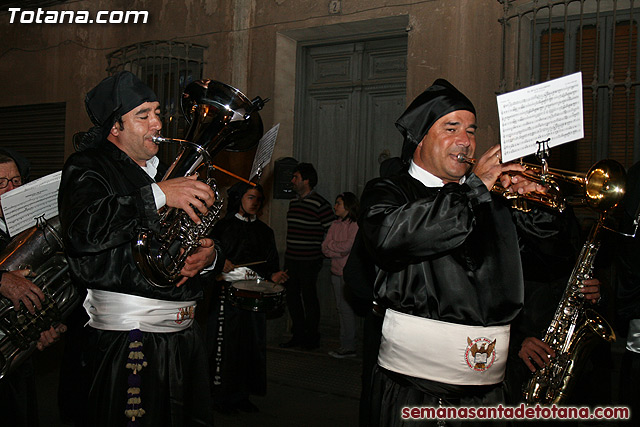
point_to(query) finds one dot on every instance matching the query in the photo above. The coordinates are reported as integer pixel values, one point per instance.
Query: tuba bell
(220, 118)
(39, 249)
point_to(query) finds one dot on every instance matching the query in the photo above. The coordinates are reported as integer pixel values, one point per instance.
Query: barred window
(544, 40)
(41, 141)
(167, 67)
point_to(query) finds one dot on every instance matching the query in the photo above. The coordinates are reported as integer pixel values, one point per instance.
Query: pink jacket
(338, 242)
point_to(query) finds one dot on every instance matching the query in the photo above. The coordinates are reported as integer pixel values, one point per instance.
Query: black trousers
(371, 336)
(392, 393)
(18, 405)
(302, 298)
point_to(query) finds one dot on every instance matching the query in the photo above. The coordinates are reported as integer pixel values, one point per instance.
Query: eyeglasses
(16, 180)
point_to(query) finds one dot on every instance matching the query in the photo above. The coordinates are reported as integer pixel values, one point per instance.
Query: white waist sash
(445, 352)
(113, 311)
(633, 337)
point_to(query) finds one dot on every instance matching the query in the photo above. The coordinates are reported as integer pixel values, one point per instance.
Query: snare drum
(256, 295)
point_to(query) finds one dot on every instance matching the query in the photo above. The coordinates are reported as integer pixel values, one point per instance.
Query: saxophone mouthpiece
(464, 159)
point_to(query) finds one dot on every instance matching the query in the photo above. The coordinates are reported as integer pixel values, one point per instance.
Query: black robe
(450, 253)
(105, 198)
(239, 367)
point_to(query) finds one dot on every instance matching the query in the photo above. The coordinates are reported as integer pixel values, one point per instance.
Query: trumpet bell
(605, 185)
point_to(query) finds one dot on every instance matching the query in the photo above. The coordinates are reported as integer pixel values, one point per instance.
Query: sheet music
(264, 151)
(22, 205)
(550, 110)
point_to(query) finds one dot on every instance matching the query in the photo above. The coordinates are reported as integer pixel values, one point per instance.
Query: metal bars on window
(167, 67)
(546, 39)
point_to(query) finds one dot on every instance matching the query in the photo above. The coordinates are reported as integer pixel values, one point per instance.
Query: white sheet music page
(35, 199)
(264, 151)
(551, 110)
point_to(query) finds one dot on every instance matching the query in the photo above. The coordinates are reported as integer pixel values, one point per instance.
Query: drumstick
(233, 175)
(250, 263)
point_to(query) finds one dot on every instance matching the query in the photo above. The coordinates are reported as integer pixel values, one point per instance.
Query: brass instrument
(599, 186)
(575, 330)
(220, 118)
(39, 249)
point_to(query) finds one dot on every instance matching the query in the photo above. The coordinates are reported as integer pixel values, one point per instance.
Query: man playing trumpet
(449, 270)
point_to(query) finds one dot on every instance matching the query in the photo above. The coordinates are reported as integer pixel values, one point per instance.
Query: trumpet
(600, 188)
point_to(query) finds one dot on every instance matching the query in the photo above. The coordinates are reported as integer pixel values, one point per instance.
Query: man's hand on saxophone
(534, 350)
(591, 290)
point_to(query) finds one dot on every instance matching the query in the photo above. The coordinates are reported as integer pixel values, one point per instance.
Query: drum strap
(219, 343)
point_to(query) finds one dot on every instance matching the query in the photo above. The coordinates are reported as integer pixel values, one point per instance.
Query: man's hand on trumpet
(489, 168)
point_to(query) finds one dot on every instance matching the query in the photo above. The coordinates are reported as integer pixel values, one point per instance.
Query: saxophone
(575, 329)
(219, 117)
(39, 249)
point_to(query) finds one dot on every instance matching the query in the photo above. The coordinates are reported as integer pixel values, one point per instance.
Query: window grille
(167, 67)
(546, 39)
(37, 133)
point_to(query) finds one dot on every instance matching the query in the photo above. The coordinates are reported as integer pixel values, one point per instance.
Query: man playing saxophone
(449, 271)
(107, 194)
(543, 291)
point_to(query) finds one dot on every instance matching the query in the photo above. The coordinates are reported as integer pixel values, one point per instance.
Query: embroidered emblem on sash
(480, 353)
(185, 313)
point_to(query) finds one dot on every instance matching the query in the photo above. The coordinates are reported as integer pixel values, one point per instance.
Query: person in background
(628, 296)
(337, 246)
(237, 338)
(359, 277)
(543, 292)
(18, 400)
(308, 219)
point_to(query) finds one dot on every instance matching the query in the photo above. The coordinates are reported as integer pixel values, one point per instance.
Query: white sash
(445, 352)
(113, 311)
(633, 337)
